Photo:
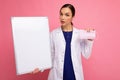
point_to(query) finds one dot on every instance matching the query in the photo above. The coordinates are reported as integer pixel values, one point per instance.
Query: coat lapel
(61, 36)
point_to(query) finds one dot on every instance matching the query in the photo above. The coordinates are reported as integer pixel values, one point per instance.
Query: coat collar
(59, 31)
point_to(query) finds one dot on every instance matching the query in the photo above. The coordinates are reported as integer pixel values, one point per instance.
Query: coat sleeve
(52, 47)
(86, 48)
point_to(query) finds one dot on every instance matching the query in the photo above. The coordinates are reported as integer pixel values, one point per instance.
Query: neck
(67, 28)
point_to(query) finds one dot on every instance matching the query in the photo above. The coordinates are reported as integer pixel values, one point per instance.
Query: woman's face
(65, 17)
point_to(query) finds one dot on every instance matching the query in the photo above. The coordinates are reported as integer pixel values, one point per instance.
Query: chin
(63, 25)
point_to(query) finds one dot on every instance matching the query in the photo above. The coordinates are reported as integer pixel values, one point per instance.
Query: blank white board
(31, 43)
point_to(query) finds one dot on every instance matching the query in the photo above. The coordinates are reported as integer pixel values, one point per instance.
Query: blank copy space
(31, 43)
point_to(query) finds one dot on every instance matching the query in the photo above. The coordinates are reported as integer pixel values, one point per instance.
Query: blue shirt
(68, 73)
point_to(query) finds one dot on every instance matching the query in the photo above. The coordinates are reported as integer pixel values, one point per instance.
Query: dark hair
(71, 7)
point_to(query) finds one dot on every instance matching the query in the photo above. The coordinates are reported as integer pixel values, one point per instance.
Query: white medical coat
(78, 47)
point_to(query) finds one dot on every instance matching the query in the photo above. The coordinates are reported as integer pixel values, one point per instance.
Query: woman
(66, 47)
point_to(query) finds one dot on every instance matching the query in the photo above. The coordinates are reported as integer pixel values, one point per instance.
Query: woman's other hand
(36, 70)
(89, 30)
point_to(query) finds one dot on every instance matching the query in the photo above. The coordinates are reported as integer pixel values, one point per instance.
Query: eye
(67, 14)
(61, 14)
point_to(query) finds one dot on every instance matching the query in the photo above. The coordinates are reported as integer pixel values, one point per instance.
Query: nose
(62, 17)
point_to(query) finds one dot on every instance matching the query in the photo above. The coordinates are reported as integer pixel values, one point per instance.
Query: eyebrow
(65, 13)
